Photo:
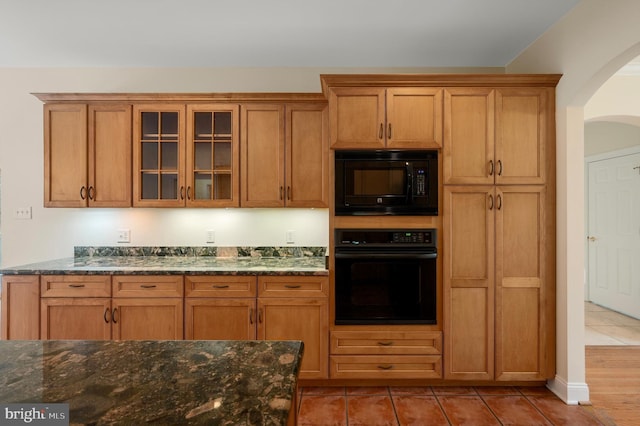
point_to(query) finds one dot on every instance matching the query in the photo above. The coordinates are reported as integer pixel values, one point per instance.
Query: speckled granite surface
(183, 260)
(159, 382)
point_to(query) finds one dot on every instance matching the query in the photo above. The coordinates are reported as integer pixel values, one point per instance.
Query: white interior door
(614, 233)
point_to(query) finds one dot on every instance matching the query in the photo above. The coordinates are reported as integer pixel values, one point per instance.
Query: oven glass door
(385, 289)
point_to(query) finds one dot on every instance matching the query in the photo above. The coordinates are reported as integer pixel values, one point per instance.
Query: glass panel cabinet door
(159, 156)
(212, 155)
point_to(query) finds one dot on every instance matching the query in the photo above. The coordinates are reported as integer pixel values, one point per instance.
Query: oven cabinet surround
(103, 307)
(87, 150)
(496, 227)
(379, 117)
(264, 308)
(177, 150)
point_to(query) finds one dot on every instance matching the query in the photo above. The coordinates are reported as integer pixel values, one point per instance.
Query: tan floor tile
(322, 410)
(374, 410)
(467, 410)
(515, 410)
(561, 414)
(414, 410)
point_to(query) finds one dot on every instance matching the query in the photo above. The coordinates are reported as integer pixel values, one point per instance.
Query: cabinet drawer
(220, 286)
(385, 367)
(288, 286)
(75, 286)
(147, 286)
(386, 342)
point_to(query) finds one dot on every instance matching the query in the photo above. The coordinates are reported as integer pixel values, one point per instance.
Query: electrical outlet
(211, 236)
(124, 235)
(22, 213)
(290, 235)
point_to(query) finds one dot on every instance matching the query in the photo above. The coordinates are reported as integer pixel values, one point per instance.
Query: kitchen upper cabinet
(159, 155)
(284, 155)
(87, 154)
(496, 135)
(213, 156)
(376, 117)
(498, 300)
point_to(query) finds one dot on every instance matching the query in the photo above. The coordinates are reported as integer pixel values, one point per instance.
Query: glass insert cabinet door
(159, 156)
(212, 155)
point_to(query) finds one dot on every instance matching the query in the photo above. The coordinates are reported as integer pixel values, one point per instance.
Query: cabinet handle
(251, 316)
(385, 343)
(188, 192)
(490, 202)
(182, 192)
(281, 192)
(114, 315)
(385, 367)
(76, 285)
(292, 286)
(381, 130)
(220, 286)
(491, 168)
(499, 202)
(260, 316)
(106, 311)
(288, 192)
(148, 285)
(91, 193)
(389, 133)
(83, 193)
(499, 167)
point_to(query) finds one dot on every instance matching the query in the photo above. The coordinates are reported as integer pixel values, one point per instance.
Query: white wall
(593, 41)
(52, 233)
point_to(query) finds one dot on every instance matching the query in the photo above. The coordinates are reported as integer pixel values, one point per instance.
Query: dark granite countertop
(177, 261)
(159, 382)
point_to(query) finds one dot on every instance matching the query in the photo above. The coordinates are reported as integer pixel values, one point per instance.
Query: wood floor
(613, 376)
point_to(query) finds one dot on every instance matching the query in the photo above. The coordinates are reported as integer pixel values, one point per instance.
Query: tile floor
(427, 406)
(604, 327)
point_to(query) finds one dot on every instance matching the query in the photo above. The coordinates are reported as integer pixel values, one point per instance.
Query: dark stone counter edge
(107, 271)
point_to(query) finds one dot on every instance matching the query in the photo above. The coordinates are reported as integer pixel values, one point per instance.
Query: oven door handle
(361, 255)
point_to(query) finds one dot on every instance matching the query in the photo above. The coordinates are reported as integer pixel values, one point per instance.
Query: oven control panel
(385, 237)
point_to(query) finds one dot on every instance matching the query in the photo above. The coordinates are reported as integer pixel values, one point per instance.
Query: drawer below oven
(367, 342)
(385, 367)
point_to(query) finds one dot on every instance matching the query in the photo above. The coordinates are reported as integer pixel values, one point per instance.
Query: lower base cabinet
(390, 354)
(263, 307)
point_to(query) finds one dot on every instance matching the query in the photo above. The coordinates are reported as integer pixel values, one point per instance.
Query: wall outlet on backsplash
(290, 236)
(124, 235)
(211, 236)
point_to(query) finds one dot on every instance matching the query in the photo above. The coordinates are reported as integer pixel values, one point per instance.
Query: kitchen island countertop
(162, 382)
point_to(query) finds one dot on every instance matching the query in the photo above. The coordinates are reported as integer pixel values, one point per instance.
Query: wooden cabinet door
(522, 132)
(73, 318)
(20, 307)
(468, 283)
(262, 155)
(147, 319)
(220, 319)
(414, 118)
(307, 155)
(65, 155)
(159, 155)
(213, 155)
(357, 117)
(468, 151)
(524, 304)
(305, 319)
(109, 177)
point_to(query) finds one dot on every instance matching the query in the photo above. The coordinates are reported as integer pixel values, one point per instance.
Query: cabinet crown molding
(180, 98)
(437, 80)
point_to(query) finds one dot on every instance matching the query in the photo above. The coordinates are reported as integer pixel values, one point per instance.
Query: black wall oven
(385, 276)
(386, 182)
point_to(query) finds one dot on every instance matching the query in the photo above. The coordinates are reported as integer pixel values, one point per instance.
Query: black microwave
(386, 182)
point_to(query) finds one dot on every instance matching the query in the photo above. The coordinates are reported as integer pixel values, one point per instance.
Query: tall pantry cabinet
(498, 229)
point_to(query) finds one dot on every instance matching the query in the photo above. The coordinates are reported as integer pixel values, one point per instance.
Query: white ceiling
(266, 33)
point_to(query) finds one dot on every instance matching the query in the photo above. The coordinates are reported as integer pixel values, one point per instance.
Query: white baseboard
(570, 393)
